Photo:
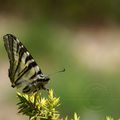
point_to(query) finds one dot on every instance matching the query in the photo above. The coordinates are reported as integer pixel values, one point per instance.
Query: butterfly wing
(23, 68)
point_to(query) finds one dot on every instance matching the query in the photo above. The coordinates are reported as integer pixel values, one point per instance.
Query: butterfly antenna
(63, 70)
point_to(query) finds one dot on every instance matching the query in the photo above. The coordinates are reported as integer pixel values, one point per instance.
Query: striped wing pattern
(23, 69)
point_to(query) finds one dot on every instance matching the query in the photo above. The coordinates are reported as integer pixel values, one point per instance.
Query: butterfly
(23, 71)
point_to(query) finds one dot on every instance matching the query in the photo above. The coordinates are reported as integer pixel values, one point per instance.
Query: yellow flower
(43, 102)
(109, 118)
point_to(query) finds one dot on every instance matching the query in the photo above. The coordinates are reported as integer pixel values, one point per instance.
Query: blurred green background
(81, 36)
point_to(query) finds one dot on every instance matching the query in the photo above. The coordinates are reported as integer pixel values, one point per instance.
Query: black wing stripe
(8, 45)
(11, 47)
(42, 80)
(21, 52)
(31, 65)
(17, 48)
(12, 56)
(22, 71)
(39, 72)
(29, 57)
(26, 89)
(12, 36)
(33, 75)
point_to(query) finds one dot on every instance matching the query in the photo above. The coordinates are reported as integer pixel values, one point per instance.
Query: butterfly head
(46, 78)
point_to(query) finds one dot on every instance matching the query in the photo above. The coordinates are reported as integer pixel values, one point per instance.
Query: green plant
(109, 118)
(37, 107)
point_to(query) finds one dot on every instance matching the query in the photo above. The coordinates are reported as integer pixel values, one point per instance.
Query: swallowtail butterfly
(24, 71)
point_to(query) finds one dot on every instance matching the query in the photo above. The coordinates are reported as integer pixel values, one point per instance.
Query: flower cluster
(40, 108)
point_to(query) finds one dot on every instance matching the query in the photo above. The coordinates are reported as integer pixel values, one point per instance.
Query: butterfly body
(23, 70)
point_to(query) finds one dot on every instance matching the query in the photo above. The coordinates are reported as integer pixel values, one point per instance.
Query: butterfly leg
(44, 88)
